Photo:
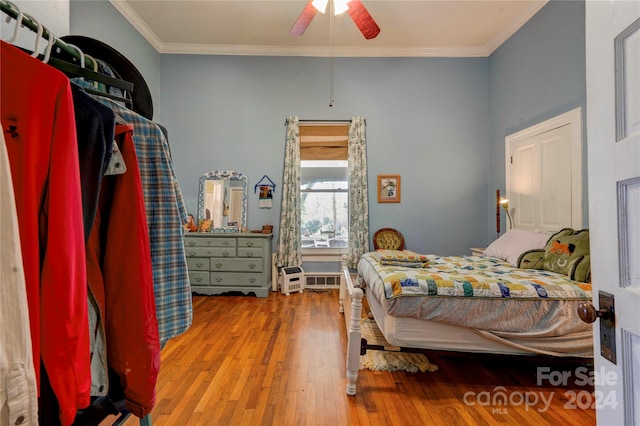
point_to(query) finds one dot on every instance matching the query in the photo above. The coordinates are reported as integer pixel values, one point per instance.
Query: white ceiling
(452, 28)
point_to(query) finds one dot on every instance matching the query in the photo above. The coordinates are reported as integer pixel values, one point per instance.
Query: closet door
(544, 180)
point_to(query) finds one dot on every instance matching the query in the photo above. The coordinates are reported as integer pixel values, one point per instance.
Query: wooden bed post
(352, 315)
(498, 213)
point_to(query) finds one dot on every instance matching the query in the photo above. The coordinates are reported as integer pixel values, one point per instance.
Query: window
(324, 203)
(324, 186)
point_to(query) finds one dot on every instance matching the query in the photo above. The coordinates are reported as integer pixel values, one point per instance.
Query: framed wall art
(388, 188)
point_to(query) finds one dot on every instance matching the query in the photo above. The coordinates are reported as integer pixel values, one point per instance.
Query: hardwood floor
(280, 360)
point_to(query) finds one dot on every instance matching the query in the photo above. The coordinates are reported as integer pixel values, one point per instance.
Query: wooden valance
(324, 142)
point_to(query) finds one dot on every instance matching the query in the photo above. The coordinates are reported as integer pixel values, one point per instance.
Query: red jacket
(121, 281)
(39, 124)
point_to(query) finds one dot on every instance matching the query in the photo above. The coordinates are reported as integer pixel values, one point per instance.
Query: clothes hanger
(18, 22)
(80, 54)
(47, 52)
(39, 33)
(66, 50)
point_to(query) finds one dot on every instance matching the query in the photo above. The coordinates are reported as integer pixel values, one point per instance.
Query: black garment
(95, 127)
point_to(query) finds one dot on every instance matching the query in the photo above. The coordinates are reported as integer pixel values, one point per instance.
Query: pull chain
(331, 14)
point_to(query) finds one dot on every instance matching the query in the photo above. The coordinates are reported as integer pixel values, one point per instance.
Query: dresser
(221, 262)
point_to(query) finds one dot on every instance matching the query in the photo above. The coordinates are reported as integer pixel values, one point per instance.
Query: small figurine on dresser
(190, 226)
(205, 225)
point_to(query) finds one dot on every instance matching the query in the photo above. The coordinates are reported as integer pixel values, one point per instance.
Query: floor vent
(322, 280)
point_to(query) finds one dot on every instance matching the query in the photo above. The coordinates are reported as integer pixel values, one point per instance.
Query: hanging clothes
(165, 217)
(95, 125)
(37, 109)
(123, 328)
(121, 281)
(18, 389)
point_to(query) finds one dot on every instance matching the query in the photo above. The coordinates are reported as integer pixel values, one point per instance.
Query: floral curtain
(358, 192)
(288, 247)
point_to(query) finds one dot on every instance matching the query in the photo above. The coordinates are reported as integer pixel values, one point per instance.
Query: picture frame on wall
(389, 188)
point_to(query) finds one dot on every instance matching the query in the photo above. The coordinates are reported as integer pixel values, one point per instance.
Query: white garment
(18, 389)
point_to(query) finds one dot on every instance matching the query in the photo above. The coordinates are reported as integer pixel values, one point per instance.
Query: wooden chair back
(389, 239)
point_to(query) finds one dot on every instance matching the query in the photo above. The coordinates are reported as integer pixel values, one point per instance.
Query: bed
(475, 304)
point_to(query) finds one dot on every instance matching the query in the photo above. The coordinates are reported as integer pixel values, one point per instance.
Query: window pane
(323, 175)
(325, 219)
(325, 210)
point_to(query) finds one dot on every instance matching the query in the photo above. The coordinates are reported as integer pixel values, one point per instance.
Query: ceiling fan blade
(363, 19)
(303, 20)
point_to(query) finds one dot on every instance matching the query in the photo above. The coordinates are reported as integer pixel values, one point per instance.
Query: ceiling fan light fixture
(358, 13)
(320, 5)
(340, 6)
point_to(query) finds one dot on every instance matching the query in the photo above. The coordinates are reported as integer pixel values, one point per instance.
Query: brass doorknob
(588, 313)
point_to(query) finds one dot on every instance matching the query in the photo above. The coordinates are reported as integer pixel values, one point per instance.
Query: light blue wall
(439, 123)
(535, 75)
(427, 121)
(98, 19)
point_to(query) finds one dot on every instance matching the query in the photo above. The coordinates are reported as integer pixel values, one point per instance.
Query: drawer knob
(218, 279)
(191, 243)
(191, 252)
(225, 243)
(252, 265)
(250, 244)
(199, 264)
(198, 279)
(249, 254)
(225, 254)
(252, 280)
(218, 265)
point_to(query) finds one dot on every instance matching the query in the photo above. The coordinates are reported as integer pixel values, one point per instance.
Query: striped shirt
(166, 213)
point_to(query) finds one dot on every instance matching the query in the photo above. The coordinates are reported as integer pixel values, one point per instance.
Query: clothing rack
(25, 20)
(29, 22)
(71, 69)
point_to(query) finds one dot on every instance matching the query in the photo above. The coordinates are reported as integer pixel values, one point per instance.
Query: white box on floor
(292, 280)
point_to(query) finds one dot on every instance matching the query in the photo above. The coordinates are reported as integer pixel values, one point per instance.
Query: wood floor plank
(280, 361)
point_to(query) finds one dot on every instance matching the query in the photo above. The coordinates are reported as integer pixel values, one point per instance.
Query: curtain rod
(286, 122)
(30, 22)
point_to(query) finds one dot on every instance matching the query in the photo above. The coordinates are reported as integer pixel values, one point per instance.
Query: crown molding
(515, 26)
(137, 22)
(322, 51)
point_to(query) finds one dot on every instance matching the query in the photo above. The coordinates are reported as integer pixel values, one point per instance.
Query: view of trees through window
(325, 203)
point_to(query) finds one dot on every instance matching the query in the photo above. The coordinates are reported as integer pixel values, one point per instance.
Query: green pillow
(531, 259)
(567, 252)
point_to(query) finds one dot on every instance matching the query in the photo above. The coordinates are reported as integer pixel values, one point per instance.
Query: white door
(613, 139)
(544, 174)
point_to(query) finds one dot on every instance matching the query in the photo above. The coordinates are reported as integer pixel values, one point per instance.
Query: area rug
(390, 359)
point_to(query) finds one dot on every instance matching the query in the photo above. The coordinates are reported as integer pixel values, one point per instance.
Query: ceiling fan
(355, 8)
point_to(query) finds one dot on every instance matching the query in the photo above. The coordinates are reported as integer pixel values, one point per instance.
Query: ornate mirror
(223, 200)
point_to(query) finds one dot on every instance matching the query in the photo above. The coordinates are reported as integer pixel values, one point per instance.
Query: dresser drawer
(249, 251)
(236, 264)
(209, 242)
(220, 263)
(250, 242)
(198, 278)
(198, 263)
(237, 279)
(210, 251)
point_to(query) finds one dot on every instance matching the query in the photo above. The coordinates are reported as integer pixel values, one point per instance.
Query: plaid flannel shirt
(166, 213)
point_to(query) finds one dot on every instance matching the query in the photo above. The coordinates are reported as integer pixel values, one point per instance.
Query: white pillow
(514, 242)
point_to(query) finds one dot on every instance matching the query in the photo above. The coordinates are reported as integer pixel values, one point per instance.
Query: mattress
(533, 324)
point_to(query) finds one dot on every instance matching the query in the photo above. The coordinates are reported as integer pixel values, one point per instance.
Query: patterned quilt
(476, 276)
